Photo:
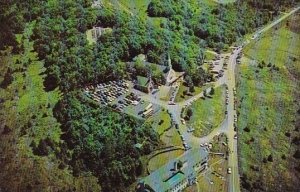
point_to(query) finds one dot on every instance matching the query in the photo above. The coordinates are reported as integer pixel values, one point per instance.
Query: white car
(229, 170)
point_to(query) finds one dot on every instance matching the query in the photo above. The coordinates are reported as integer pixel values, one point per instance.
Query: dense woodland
(48, 127)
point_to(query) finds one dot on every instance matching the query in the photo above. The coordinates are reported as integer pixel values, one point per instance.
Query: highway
(286, 15)
(232, 143)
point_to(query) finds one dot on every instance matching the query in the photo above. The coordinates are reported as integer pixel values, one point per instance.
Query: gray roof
(167, 176)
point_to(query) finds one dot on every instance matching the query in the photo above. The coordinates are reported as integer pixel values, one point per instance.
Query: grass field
(212, 180)
(181, 97)
(209, 113)
(267, 108)
(171, 138)
(162, 159)
(155, 120)
(209, 55)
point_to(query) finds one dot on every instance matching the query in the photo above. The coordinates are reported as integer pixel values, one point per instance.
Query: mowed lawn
(162, 159)
(267, 109)
(208, 114)
(160, 121)
(181, 97)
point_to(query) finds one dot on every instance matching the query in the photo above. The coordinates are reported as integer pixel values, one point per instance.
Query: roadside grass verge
(209, 113)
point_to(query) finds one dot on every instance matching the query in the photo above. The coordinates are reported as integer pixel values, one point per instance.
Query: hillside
(268, 92)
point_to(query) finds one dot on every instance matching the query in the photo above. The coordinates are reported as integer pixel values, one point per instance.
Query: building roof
(168, 176)
(142, 81)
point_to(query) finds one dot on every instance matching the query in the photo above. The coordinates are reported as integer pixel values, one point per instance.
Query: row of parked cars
(106, 93)
(131, 99)
(185, 145)
(173, 95)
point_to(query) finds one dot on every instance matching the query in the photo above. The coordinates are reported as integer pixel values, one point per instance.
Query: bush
(192, 89)
(265, 160)
(212, 91)
(270, 158)
(161, 122)
(247, 129)
(189, 112)
(297, 154)
(288, 134)
(204, 93)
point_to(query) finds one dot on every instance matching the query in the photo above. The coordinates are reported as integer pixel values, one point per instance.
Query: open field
(181, 97)
(171, 138)
(209, 113)
(162, 159)
(160, 121)
(268, 95)
(209, 55)
(215, 178)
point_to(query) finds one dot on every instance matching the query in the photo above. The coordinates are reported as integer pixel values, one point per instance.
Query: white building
(177, 174)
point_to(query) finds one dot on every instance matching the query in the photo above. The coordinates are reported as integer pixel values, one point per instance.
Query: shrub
(247, 129)
(297, 154)
(270, 158)
(212, 91)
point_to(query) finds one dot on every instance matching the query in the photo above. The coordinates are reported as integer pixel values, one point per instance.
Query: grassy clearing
(160, 122)
(89, 36)
(267, 108)
(171, 138)
(181, 97)
(209, 55)
(212, 181)
(209, 113)
(162, 159)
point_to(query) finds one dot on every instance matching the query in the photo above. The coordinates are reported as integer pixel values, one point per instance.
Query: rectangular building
(177, 174)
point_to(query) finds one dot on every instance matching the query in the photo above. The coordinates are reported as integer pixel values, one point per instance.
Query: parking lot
(216, 177)
(119, 96)
(218, 65)
(106, 93)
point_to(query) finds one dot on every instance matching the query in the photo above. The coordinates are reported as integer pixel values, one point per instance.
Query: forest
(47, 126)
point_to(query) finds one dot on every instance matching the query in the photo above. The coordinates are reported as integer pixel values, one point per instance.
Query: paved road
(232, 143)
(286, 15)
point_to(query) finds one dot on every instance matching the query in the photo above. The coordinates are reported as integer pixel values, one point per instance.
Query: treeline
(219, 25)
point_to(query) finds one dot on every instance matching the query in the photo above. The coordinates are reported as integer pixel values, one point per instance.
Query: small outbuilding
(144, 84)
